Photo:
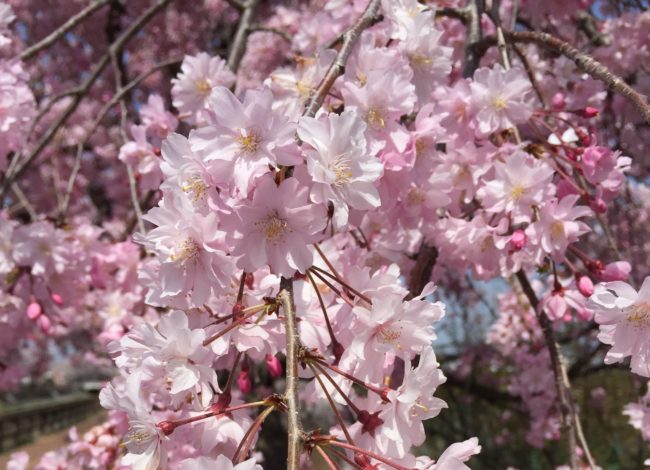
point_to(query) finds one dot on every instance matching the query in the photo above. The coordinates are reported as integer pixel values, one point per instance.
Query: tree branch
(81, 92)
(337, 68)
(474, 37)
(421, 273)
(586, 63)
(62, 30)
(291, 391)
(238, 47)
(570, 419)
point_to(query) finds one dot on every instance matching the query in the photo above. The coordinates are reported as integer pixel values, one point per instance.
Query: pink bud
(588, 113)
(56, 298)
(44, 324)
(518, 240)
(585, 286)
(274, 366)
(558, 101)
(244, 382)
(599, 205)
(617, 271)
(34, 310)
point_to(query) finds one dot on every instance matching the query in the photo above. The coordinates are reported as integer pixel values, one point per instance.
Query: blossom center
(188, 250)
(196, 188)
(341, 167)
(376, 119)
(273, 226)
(499, 103)
(387, 334)
(248, 141)
(639, 315)
(204, 87)
(303, 89)
(420, 146)
(138, 439)
(557, 230)
(415, 197)
(517, 191)
(420, 60)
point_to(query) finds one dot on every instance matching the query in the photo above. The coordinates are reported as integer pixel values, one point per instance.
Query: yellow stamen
(273, 226)
(248, 142)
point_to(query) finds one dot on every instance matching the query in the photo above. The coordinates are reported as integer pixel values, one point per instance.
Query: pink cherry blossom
(275, 228)
(503, 98)
(624, 318)
(200, 74)
(340, 167)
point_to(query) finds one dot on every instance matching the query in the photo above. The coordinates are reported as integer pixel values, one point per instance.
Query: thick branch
(62, 30)
(238, 47)
(421, 273)
(338, 66)
(587, 64)
(286, 284)
(291, 391)
(474, 36)
(82, 91)
(570, 419)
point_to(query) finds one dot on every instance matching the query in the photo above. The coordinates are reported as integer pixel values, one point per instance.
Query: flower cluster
(239, 211)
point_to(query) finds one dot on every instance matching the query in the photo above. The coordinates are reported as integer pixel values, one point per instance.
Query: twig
(238, 47)
(283, 34)
(337, 67)
(570, 419)
(587, 64)
(62, 30)
(24, 202)
(461, 14)
(81, 92)
(421, 273)
(291, 391)
(286, 285)
(236, 4)
(474, 37)
(134, 199)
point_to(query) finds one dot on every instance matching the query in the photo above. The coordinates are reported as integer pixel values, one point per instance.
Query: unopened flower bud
(598, 205)
(274, 366)
(588, 112)
(518, 240)
(34, 310)
(57, 299)
(585, 286)
(244, 382)
(558, 101)
(616, 271)
(44, 323)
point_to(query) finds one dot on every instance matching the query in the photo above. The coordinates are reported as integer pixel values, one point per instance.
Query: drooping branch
(421, 272)
(583, 61)
(117, 97)
(291, 391)
(238, 47)
(570, 419)
(62, 30)
(474, 36)
(337, 68)
(80, 92)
